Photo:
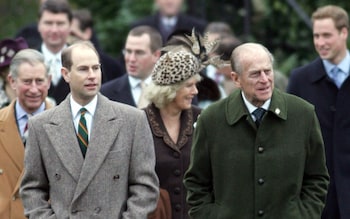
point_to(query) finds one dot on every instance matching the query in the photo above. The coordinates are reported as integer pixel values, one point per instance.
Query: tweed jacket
(275, 171)
(332, 106)
(173, 159)
(115, 180)
(11, 163)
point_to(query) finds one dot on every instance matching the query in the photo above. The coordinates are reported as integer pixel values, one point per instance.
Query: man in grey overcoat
(258, 153)
(107, 173)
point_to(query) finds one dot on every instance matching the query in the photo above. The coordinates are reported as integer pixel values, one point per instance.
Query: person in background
(325, 83)
(30, 33)
(89, 157)
(248, 159)
(29, 78)
(172, 116)
(55, 18)
(82, 29)
(141, 52)
(169, 18)
(8, 49)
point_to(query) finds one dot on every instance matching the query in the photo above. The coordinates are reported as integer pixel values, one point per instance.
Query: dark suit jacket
(31, 34)
(332, 107)
(184, 22)
(119, 90)
(110, 67)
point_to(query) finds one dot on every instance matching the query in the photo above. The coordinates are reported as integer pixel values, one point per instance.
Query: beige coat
(11, 164)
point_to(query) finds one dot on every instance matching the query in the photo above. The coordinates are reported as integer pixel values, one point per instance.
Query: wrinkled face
(329, 42)
(169, 7)
(31, 85)
(139, 59)
(54, 29)
(256, 81)
(84, 77)
(185, 94)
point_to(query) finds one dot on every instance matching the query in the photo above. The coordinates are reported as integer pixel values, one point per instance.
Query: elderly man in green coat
(258, 153)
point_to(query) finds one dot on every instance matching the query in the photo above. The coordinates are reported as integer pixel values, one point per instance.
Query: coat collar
(159, 130)
(10, 137)
(64, 140)
(235, 108)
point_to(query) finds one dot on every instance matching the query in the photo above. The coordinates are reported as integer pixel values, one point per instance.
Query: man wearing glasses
(141, 52)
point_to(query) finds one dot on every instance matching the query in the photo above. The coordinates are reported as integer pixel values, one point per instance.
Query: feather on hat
(188, 57)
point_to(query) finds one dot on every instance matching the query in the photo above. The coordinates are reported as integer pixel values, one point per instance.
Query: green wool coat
(239, 171)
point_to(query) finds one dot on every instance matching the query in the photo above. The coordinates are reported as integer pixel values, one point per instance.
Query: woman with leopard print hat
(172, 117)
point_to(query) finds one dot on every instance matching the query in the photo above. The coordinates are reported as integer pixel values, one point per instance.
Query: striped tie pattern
(83, 137)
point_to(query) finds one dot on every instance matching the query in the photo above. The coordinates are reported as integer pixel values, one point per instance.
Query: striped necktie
(258, 113)
(83, 137)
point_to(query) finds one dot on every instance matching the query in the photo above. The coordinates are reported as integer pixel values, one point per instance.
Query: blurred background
(281, 25)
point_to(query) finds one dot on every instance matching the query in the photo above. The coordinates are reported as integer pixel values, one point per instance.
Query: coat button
(177, 172)
(176, 154)
(260, 213)
(116, 177)
(177, 207)
(260, 149)
(1, 171)
(57, 176)
(261, 181)
(14, 198)
(97, 210)
(177, 190)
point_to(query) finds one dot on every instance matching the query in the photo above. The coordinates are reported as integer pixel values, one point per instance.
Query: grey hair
(29, 56)
(240, 52)
(162, 95)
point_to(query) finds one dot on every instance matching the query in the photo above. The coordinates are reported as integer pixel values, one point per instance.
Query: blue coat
(332, 108)
(239, 171)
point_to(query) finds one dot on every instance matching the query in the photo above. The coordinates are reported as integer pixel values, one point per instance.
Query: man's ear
(12, 81)
(65, 74)
(236, 79)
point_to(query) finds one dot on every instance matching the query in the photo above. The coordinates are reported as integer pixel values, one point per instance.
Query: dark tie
(83, 137)
(258, 113)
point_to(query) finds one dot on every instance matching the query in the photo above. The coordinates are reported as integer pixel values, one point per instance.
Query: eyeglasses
(137, 53)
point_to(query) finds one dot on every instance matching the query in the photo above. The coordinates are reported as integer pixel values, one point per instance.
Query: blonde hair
(162, 95)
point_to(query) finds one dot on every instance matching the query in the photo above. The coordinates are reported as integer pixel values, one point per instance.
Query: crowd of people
(188, 122)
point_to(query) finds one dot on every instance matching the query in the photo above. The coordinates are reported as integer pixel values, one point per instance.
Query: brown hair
(56, 7)
(337, 14)
(154, 35)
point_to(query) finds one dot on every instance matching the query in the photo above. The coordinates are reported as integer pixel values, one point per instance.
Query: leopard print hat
(174, 67)
(185, 59)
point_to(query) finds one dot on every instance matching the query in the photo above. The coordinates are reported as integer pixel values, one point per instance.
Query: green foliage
(113, 18)
(273, 23)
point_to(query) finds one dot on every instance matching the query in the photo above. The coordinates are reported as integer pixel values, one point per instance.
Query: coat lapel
(104, 131)
(10, 137)
(236, 109)
(59, 131)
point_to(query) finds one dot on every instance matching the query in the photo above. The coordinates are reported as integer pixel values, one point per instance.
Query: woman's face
(184, 96)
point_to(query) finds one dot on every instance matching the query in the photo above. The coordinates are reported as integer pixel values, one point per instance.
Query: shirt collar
(90, 107)
(251, 107)
(344, 65)
(171, 21)
(49, 55)
(134, 82)
(20, 112)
